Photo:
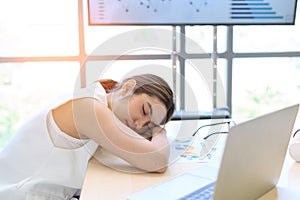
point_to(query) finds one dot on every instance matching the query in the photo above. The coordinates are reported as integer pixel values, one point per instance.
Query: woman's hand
(157, 130)
(149, 133)
(158, 134)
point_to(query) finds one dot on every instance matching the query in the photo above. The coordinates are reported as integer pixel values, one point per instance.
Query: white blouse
(41, 162)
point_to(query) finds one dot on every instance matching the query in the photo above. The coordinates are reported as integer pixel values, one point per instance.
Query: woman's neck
(109, 100)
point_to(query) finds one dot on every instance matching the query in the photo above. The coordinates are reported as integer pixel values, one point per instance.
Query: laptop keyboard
(204, 193)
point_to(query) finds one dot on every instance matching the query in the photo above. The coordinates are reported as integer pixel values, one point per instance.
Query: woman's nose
(142, 122)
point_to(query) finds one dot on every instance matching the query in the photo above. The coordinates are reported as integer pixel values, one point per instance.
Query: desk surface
(103, 182)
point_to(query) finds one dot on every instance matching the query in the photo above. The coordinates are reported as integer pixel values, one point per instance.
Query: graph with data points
(191, 12)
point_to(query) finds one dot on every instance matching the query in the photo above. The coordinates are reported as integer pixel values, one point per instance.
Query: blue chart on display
(191, 12)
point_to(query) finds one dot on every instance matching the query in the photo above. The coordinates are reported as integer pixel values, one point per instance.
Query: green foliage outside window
(261, 102)
(8, 117)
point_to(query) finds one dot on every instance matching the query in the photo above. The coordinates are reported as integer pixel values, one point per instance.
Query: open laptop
(251, 163)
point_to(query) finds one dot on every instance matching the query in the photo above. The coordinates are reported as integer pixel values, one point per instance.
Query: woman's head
(154, 86)
(146, 92)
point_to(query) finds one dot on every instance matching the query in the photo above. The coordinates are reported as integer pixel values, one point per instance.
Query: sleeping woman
(48, 156)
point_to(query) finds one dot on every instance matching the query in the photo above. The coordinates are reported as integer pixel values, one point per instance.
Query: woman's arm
(95, 121)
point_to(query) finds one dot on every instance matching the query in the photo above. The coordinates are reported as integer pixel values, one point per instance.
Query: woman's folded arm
(95, 121)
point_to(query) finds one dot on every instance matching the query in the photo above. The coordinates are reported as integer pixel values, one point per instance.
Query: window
(43, 54)
(203, 37)
(39, 57)
(133, 40)
(265, 69)
(266, 38)
(262, 85)
(38, 28)
(27, 87)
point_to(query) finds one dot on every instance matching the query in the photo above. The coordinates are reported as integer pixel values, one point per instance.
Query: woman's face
(140, 112)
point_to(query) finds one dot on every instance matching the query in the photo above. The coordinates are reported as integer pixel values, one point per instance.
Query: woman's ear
(128, 87)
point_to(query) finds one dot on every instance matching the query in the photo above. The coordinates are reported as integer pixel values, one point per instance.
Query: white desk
(102, 182)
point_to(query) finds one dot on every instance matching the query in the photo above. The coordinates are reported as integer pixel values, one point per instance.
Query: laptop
(251, 163)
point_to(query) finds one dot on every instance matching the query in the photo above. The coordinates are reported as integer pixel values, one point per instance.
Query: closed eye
(147, 110)
(143, 108)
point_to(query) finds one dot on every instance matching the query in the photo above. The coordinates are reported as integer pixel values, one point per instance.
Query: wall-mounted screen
(191, 12)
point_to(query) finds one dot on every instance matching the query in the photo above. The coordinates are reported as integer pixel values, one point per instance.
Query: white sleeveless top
(32, 167)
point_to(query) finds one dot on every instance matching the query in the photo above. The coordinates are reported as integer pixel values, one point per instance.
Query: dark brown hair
(149, 84)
